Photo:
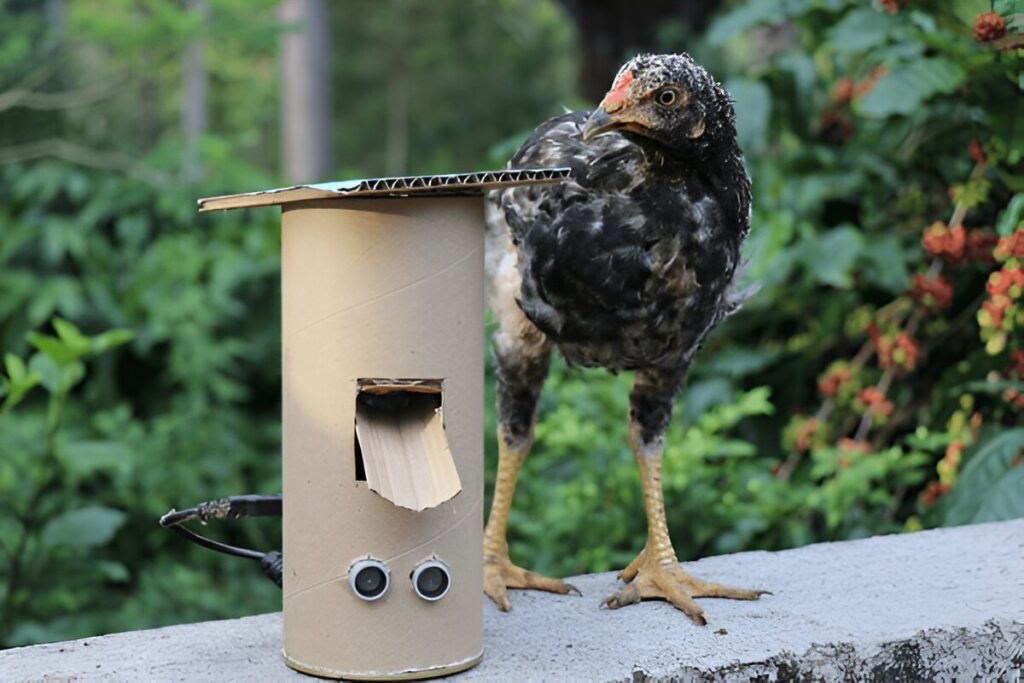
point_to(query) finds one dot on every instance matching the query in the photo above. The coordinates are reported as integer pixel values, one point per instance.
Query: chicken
(626, 266)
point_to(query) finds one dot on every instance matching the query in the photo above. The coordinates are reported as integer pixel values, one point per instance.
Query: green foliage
(990, 487)
(908, 85)
(48, 530)
(140, 341)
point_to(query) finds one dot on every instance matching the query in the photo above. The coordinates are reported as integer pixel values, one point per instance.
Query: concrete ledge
(935, 605)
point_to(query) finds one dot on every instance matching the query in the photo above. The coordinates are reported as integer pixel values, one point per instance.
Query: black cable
(272, 563)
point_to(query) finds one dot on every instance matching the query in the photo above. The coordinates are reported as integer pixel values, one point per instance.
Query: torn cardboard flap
(400, 431)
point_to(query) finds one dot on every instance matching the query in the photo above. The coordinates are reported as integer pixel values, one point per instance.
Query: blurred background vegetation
(873, 385)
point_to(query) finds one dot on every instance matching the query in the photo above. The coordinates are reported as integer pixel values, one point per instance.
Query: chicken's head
(667, 98)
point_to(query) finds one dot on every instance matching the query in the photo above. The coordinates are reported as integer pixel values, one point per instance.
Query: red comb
(618, 91)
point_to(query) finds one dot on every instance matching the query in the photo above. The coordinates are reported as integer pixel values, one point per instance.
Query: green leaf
(743, 18)
(72, 336)
(56, 377)
(1005, 500)
(737, 362)
(986, 464)
(907, 86)
(1011, 215)
(701, 396)
(733, 448)
(993, 387)
(15, 366)
(861, 30)
(19, 381)
(753, 103)
(1008, 7)
(83, 458)
(84, 528)
(47, 369)
(831, 258)
(60, 352)
(115, 572)
(884, 264)
(111, 339)
(754, 13)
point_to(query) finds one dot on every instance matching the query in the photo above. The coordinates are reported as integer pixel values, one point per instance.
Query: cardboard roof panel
(404, 186)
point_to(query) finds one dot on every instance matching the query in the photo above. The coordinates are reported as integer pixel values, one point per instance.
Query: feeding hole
(384, 400)
(401, 448)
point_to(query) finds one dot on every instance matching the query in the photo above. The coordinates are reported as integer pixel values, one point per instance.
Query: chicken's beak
(599, 122)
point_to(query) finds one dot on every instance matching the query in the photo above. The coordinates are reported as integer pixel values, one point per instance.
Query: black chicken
(626, 266)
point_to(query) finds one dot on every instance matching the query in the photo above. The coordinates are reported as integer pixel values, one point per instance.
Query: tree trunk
(305, 92)
(193, 99)
(610, 31)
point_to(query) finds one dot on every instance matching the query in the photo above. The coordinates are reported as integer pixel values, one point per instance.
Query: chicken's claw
(500, 575)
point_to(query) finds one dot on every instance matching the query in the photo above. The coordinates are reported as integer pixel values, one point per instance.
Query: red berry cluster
(894, 350)
(1010, 247)
(977, 152)
(853, 446)
(1015, 371)
(876, 402)
(948, 243)
(956, 245)
(842, 93)
(999, 313)
(836, 124)
(980, 244)
(1016, 367)
(802, 433)
(935, 292)
(989, 26)
(1014, 398)
(833, 380)
(893, 6)
(867, 84)
(933, 491)
(846, 89)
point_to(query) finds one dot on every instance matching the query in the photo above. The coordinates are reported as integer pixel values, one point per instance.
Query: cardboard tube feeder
(382, 289)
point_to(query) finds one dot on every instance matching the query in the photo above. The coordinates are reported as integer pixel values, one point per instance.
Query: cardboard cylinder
(380, 290)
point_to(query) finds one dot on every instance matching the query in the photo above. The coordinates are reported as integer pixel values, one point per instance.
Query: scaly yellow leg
(655, 573)
(499, 572)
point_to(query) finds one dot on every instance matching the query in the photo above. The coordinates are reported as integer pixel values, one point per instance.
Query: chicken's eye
(667, 97)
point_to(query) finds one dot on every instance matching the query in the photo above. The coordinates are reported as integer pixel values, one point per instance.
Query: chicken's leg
(655, 573)
(522, 356)
(499, 572)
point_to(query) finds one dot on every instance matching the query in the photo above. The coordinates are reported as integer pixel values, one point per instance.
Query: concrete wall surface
(946, 604)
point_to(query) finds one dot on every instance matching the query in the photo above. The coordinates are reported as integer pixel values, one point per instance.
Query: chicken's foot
(655, 573)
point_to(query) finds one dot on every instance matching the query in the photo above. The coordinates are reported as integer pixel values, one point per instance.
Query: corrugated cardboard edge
(406, 455)
(401, 186)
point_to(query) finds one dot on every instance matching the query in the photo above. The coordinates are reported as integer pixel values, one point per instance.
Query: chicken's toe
(500, 575)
